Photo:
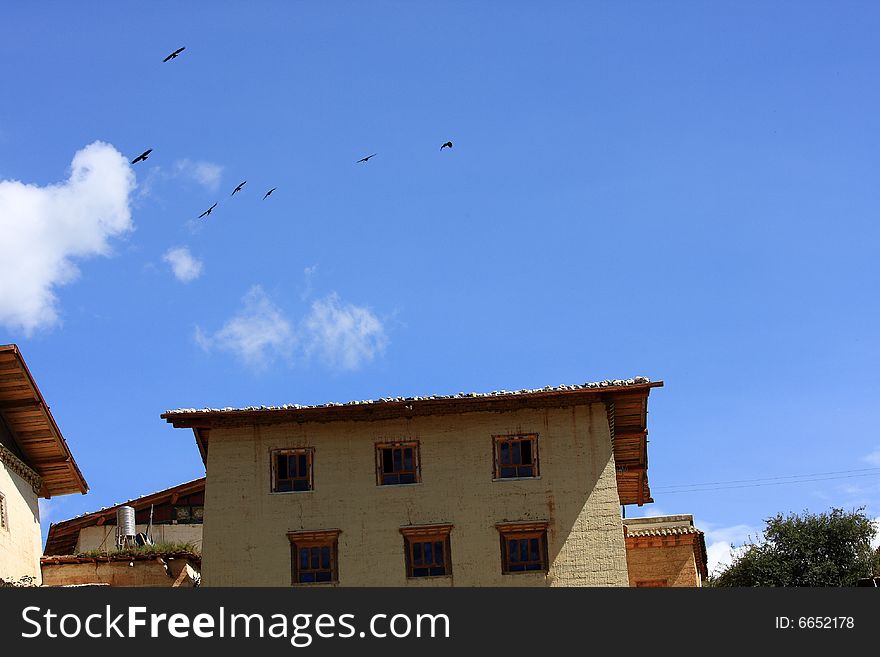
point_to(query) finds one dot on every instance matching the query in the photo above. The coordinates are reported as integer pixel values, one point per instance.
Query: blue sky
(685, 191)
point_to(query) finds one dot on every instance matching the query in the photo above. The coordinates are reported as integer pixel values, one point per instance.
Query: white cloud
(873, 458)
(207, 174)
(45, 229)
(185, 266)
(723, 543)
(343, 334)
(308, 274)
(257, 335)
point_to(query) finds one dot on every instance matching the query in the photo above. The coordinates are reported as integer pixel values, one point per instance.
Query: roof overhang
(626, 404)
(26, 414)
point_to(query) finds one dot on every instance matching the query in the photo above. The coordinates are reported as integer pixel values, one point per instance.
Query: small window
(4, 523)
(523, 547)
(427, 551)
(189, 514)
(313, 556)
(516, 456)
(397, 463)
(292, 470)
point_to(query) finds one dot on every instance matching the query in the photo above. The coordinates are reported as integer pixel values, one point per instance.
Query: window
(4, 523)
(313, 556)
(523, 547)
(189, 514)
(292, 470)
(397, 463)
(516, 456)
(427, 550)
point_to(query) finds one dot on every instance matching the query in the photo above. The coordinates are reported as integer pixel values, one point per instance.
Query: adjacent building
(35, 462)
(506, 488)
(665, 551)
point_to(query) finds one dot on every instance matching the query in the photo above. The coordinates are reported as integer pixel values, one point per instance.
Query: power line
(760, 479)
(771, 483)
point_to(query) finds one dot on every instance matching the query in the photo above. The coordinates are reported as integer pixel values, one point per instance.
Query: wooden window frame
(309, 452)
(299, 540)
(191, 519)
(417, 463)
(499, 440)
(517, 531)
(421, 534)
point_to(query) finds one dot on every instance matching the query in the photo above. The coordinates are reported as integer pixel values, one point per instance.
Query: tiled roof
(615, 383)
(662, 531)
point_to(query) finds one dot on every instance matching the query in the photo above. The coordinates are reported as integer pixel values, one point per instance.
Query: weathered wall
(245, 531)
(119, 573)
(20, 541)
(674, 563)
(104, 537)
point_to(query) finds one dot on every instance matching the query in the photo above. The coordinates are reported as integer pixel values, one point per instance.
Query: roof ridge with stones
(608, 383)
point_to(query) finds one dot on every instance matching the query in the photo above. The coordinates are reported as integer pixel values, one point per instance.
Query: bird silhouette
(142, 156)
(208, 211)
(448, 144)
(269, 193)
(174, 54)
(238, 189)
(366, 159)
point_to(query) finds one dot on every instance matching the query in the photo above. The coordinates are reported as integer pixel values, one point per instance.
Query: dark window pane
(533, 566)
(526, 451)
(307, 577)
(421, 572)
(303, 466)
(533, 550)
(387, 460)
(438, 552)
(325, 557)
(388, 479)
(398, 460)
(525, 471)
(282, 467)
(316, 563)
(438, 570)
(508, 472)
(429, 553)
(407, 478)
(303, 558)
(514, 452)
(417, 554)
(505, 453)
(408, 459)
(323, 576)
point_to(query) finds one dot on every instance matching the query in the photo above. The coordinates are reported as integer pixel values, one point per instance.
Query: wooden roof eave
(408, 408)
(60, 473)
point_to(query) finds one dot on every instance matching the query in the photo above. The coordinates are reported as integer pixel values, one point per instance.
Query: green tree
(824, 549)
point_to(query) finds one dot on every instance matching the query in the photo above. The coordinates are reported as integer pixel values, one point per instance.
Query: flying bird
(366, 159)
(174, 54)
(208, 211)
(238, 189)
(448, 144)
(269, 193)
(142, 156)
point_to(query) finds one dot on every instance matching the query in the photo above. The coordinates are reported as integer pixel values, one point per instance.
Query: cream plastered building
(507, 488)
(35, 462)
